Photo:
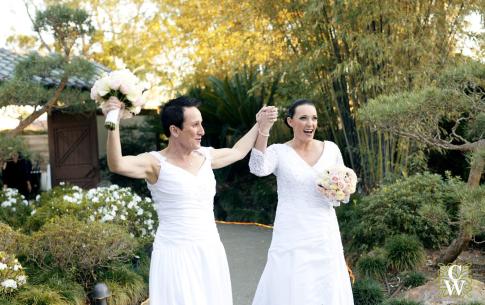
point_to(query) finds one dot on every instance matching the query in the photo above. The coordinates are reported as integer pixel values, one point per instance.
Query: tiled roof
(9, 59)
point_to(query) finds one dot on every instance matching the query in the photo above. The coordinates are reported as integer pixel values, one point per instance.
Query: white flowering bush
(14, 208)
(111, 204)
(122, 206)
(12, 275)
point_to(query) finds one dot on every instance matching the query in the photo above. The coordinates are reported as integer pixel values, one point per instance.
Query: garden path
(246, 247)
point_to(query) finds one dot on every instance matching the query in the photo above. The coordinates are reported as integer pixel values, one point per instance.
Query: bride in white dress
(306, 264)
(188, 263)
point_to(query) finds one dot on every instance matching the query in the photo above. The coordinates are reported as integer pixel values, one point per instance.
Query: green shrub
(423, 205)
(60, 282)
(60, 201)
(79, 248)
(372, 265)
(400, 302)
(126, 286)
(14, 208)
(40, 295)
(7, 300)
(414, 279)
(10, 239)
(367, 292)
(404, 252)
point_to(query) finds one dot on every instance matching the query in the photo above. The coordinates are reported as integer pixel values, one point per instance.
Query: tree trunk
(464, 237)
(476, 170)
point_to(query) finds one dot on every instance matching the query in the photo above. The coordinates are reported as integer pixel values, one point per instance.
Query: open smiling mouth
(308, 131)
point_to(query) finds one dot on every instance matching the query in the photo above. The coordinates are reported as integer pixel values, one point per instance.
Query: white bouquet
(12, 275)
(337, 183)
(123, 85)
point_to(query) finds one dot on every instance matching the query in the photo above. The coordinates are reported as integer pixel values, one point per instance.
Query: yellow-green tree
(344, 53)
(181, 41)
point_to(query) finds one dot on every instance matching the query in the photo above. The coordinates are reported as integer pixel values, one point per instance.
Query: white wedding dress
(188, 264)
(306, 264)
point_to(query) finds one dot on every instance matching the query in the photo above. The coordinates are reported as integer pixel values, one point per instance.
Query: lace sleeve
(263, 164)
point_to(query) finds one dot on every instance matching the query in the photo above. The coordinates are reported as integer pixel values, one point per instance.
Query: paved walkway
(246, 247)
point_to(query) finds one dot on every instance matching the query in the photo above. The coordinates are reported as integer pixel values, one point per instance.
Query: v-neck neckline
(183, 169)
(303, 160)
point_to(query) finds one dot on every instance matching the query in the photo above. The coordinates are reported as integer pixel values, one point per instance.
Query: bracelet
(263, 134)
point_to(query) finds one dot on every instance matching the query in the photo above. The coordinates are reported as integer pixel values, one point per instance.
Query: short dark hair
(290, 113)
(173, 112)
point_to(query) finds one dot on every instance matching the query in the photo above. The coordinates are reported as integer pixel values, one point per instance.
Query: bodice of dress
(184, 201)
(302, 212)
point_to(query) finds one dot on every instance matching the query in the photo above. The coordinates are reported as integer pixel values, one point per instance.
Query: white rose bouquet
(123, 85)
(337, 183)
(12, 275)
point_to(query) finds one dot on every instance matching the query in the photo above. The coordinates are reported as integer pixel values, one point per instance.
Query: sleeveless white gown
(306, 264)
(188, 264)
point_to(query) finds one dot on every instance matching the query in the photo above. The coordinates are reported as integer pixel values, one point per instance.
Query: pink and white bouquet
(337, 183)
(123, 85)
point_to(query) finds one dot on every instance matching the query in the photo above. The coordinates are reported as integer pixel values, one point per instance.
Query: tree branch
(473, 146)
(453, 130)
(38, 33)
(47, 107)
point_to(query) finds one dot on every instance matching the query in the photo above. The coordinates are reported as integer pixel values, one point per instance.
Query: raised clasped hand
(266, 118)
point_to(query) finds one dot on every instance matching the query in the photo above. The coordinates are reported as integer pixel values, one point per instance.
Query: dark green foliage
(6, 300)
(253, 200)
(372, 265)
(59, 282)
(413, 279)
(229, 105)
(400, 302)
(367, 292)
(423, 205)
(404, 252)
(40, 295)
(126, 286)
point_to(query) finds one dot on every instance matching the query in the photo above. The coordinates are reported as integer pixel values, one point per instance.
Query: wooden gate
(73, 149)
